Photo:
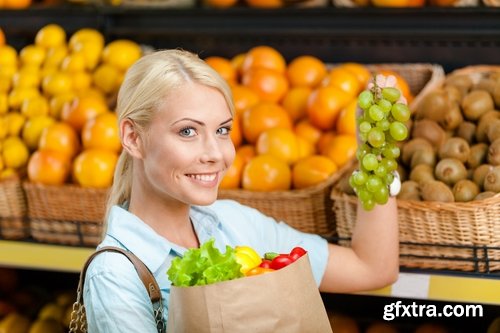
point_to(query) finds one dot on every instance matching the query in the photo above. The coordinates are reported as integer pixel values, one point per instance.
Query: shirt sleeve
(116, 300)
(265, 234)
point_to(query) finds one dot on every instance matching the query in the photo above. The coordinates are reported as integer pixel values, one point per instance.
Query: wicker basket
(307, 209)
(13, 210)
(66, 214)
(455, 236)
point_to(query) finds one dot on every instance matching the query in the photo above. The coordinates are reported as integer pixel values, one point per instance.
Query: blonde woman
(175, 115)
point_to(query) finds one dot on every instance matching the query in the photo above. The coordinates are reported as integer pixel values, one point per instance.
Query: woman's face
(187, 148)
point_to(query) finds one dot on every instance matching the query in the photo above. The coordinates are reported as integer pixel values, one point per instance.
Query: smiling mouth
(205, 177)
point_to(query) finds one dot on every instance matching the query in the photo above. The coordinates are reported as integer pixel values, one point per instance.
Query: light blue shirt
(117, 301)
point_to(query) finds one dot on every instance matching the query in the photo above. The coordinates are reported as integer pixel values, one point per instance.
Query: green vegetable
(203, 266)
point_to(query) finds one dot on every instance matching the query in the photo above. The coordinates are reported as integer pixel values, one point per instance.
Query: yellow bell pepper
(247, 257)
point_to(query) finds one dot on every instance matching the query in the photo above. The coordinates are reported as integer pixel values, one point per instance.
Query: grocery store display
(449, 203)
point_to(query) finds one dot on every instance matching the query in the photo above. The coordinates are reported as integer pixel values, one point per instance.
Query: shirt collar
(145, 243)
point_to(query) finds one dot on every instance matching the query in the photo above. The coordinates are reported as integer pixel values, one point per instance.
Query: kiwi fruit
(483, 124)
(454, 94)
(493, 130)
(465, 190)
(480, 173)
(476, 103)
(422, 173)
(433, 105)
(435, 190)
(485, 83)
(455, 147)
(430, 131)
(452, 118)
(411, 146)
(496, 94)
(467, 131)
(492, 180)
(484, 195)
(494, 153)
(462, 82)
(477, 155)
(423, 156)
(450, 171)
(409, 191)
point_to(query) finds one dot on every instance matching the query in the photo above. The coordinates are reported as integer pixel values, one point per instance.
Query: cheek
(229, 153)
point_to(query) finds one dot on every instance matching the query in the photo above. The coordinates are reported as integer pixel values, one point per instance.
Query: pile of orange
(54, 98)
(298, 118)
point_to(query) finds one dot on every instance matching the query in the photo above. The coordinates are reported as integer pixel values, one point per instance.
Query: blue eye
(224, 130)
(187, 131)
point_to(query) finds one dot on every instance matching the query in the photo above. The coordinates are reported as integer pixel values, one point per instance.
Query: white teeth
(204, 178)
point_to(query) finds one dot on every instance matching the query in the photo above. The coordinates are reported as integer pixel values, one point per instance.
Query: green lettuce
(204, 266)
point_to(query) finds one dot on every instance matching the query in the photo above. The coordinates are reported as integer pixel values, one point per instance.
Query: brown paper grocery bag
(287, 301)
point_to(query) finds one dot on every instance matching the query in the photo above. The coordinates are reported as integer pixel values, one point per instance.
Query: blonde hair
(146, 85)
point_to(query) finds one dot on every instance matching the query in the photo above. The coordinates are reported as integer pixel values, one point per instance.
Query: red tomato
(297, 252)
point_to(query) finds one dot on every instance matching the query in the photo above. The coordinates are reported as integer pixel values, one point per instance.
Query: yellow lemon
(56, 83)
(2, 164)
(55, 55)
(5, 83)
(4, 103)
(36, 106)
(57, 102)
(74, 62)
(15, 122)
(7, 71)
(15, 153)
(18, 95)
(121, 53)
(8, 56)
(33, 55)
(90, 42)
(106, 78)
(28, 77)
(47, 71)
(33, 129)
(7, 173)
(81, 81)
(4, 129)
(50, 35)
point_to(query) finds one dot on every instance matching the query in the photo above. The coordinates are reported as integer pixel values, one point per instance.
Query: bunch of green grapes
(380, 126)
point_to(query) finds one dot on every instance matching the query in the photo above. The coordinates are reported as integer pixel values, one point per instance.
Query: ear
(131, 140)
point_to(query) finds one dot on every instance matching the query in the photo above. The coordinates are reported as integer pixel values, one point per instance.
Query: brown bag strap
(78, 318)
(145, 274)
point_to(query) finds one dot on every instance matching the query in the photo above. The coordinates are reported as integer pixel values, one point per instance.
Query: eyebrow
(200, 122)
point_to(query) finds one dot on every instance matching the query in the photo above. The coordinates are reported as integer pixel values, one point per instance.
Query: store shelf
(455, 287)
(452, 37)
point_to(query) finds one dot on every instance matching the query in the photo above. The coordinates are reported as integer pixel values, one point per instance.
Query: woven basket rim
(31, 185)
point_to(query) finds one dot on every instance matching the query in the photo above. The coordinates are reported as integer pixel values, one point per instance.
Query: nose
(212, 149)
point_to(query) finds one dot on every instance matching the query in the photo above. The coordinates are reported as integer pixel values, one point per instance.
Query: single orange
(17, 4)
(361, 71)
(341, 149)
(236, 134)
(261, 117)
(81, 110)
(94, 168)
(346, 123)
(306, 130)
(102, 132)
(266, 173)
(263, 56)
(265, 3)
(390, 3)
(345, 80)
(243, 98)
(224, 67)
(306, 71)
(401, 83)
(279, 142)
(237, 62)
(312, 170)
(247, 152)
(49, 167)
(324, 105)
(232, 178)
(295, 102)
(269, 85)
(305, 148)
(220, 3)
(60, 137)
